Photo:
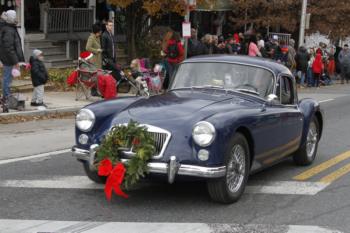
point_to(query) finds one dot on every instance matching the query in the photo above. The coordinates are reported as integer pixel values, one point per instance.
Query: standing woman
(175, 52)
(253, 49)
(93, 45)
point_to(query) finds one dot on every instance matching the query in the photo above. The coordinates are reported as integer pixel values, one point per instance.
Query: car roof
(277, 68)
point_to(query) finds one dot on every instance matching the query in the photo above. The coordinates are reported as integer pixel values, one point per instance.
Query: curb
(18, 117)
(41, 112)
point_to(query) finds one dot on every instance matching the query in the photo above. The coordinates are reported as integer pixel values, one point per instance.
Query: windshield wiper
(248, 91)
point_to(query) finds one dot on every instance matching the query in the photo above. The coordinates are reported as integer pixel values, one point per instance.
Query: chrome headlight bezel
(203, 133)
(85, 120)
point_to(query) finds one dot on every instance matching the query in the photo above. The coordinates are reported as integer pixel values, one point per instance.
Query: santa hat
(86, 55)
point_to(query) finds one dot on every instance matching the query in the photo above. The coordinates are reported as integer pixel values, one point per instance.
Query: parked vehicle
(223, 118)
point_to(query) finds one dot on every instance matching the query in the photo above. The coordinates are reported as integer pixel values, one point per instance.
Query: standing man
(11, 53)
(108, 50)
(344, 60)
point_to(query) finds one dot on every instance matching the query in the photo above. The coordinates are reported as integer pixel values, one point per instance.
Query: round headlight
(203, 133)
(85, 120)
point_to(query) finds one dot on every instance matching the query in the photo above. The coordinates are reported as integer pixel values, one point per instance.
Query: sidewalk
(57, 102)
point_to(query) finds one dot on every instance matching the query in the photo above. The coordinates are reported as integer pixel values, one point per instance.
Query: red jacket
(181, 52)
(317, 66)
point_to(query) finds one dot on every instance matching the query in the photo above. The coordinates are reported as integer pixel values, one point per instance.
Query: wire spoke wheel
(236, 168)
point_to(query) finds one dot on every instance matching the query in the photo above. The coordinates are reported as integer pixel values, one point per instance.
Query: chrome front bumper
(171, 169)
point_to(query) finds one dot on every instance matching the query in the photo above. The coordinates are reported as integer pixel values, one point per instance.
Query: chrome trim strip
(172, 168)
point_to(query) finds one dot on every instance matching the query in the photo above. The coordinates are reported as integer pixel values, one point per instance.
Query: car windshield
(238, 77)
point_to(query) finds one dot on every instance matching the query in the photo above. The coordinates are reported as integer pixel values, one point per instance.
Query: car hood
(175, 104)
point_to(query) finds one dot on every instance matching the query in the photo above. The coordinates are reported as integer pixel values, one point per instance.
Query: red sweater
(181, 51)
(317, 66)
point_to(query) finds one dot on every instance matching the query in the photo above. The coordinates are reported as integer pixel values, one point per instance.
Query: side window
(285, 91)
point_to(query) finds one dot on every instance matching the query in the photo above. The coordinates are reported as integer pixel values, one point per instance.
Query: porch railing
(68, 20)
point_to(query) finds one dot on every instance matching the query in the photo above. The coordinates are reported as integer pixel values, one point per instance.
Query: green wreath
(123, 137)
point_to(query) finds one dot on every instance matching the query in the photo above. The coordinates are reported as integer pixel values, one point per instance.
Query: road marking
(82, 182)
(336, 175)
(60, 182)
(30, 157)
(322, 167)
(288, 188)
(324, 101)
(34, 226)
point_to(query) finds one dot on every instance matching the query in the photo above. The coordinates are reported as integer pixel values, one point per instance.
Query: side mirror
(272, 99)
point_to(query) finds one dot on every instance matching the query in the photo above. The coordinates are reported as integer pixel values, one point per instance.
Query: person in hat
(39, 77)
(11, 53)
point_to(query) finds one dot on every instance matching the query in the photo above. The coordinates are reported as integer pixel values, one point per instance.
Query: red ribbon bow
(115, 177)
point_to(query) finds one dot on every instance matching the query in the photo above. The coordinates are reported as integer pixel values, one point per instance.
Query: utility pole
(302, 23)
(187, 20)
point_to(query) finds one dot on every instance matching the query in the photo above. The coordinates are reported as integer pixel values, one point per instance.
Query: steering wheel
(247, 85)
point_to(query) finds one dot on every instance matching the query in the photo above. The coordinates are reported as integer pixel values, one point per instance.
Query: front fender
(310, 108)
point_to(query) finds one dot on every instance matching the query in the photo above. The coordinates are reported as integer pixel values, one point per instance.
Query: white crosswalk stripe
(40, 226)
(82, 182)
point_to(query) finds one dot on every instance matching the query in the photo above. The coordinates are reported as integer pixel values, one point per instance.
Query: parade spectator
(208, 44)
(253, 48)
(317, 69)
(309, 75)
(271, 46)
(261, 46)
(302, 58)
(344, 60)
(331, 61)
(336, 57)
(108, 51)
(221, 48)
(291, 55)
(235, 45)
(174, 52)
(39, 77)
(195, 47)
(283, 56)
(11, 53)
(93, 45)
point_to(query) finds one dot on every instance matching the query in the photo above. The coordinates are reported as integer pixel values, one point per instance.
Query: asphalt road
(27, 193)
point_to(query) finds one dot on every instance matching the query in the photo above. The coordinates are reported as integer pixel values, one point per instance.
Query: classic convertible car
(223, 118)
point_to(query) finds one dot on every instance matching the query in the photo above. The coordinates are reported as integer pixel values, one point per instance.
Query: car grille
(159, 141)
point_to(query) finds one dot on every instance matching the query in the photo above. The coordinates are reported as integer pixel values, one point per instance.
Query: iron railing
(68, 20)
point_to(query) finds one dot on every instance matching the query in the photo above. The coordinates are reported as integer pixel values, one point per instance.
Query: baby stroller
(155, 79)
(152, 79)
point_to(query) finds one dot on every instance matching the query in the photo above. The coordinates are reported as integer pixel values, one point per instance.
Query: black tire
(219, 189)
(302, 156)
(92, 174)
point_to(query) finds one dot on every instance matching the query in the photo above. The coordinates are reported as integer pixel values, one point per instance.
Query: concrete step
(59, 63)
(38, 43)
(53, 56)
(51, 49)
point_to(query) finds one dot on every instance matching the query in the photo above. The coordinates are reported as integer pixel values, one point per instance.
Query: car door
(291, 119)
(282, 124)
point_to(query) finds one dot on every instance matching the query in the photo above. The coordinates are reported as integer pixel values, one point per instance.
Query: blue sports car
(223, 118)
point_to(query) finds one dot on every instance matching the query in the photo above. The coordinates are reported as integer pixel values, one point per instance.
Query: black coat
(11, 52)
(108, 45)
(302, 58)
(38, 72)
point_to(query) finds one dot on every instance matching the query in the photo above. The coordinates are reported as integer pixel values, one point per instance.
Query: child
(39, 77)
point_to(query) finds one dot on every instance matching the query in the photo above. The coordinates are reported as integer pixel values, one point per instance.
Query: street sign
(186, 30)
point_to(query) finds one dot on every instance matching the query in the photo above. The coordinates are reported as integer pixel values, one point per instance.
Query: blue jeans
(6, 81)
(301, 75)
(310, 78)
